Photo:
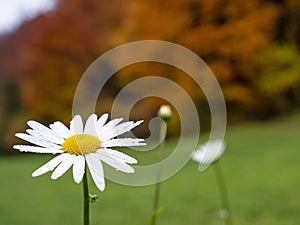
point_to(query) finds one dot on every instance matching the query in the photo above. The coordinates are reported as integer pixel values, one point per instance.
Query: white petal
(114, 131)
(37, 141)
(197, 155)
(35, 133)
(118, 164)
(102, 120)
(47, 133)
(76, 125)
(49, 166)
(90, 125)
(123, 142)
(124, 127)
(108, 127)
(120, 156)
(35, 149)
(96, 169)
(60, 129)
(209, 152)
(78, 168)
(63, 167)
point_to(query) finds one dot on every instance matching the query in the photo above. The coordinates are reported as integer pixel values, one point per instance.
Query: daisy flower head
(81, 145)
(208, 153)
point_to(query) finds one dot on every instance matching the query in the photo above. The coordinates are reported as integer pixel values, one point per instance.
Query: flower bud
(165, 112)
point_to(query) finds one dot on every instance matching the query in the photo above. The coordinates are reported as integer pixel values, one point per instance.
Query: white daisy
(81, 144)
(208, 153)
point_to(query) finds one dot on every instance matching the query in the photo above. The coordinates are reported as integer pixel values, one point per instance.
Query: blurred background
(252, 47)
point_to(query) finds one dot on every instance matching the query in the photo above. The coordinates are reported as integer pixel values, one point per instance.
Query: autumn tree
(59, 47)
(227, 34)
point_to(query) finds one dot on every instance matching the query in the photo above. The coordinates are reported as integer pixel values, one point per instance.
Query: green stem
(155, 203)
(86, 200)
(159, 171)
(223, 192)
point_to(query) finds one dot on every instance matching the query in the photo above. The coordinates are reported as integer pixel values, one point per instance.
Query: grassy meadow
(261, 166)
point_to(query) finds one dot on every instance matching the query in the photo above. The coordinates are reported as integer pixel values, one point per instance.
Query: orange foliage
(55, 49)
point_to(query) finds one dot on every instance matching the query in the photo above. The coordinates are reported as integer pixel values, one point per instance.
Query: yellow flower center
(81, 144)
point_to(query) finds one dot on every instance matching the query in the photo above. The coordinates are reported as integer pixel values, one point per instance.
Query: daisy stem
(155, 211)
(223, 192)
(86, 200)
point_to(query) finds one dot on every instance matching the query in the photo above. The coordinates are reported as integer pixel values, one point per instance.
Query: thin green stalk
(86, 200)
(159, 171)
(223, 193)
(155, 203)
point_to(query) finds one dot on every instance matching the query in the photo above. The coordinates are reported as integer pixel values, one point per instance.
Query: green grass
(261, 165)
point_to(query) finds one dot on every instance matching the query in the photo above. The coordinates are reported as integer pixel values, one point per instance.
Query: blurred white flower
(208, 153)
(165, 112)
(81, 144)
